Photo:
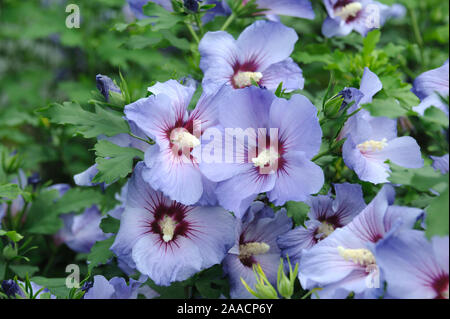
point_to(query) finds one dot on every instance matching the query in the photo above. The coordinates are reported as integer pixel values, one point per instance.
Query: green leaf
(436, 116)
(57, 286)
(100, 253)
(297, 211)
(388, 107)
(10, 191)
(76, 199)
(41, 218)
(110, 225)
(114, 162)
(370, 42)
(421, 179)
(143, 41)
(22, 270)
(13, 235)
(211, 284)
(87, 123)
(438, 215)
(180, 43)
(159, 17)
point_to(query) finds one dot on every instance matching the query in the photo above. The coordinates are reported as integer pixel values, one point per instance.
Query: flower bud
(191, 5)
(11, 288)
(333, 106)
(105, 85)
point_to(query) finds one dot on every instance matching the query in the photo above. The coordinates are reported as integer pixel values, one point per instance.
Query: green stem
(199, 24)
(312, 291)
(51, 261)
(20, 216)
(228, 22)
(416, 31)
(193, 33)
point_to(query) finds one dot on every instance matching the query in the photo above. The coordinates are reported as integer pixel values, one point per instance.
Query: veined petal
(266, 43)
(298, 124)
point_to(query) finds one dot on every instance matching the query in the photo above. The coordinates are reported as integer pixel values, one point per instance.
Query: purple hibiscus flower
(275, 141)
(116, 288)
(440, 163)
(326, 215)
(344, 16)
(369, 86)
(81, 232)
(428, 86)
(372, 142)
(170, 166)
(260, 54)
(255, 243)
(413, 267)
(167, 240)
(344, 262)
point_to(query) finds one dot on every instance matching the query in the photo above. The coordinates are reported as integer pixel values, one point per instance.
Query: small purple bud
(11, 288)
(87, 285)
(191, 5)
(34, 179)
(105, 84)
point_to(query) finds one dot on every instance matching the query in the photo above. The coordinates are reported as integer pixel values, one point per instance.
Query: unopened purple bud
(11, 288)
(105, 84)
(191, 5)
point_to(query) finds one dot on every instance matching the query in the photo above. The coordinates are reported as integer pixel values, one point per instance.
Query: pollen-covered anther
(252, 249)
(244, 79)
(349, 10)
(265, 158)
(182, 138)
(363, 257)
(372, 145)
(167, 225)
(325, 229)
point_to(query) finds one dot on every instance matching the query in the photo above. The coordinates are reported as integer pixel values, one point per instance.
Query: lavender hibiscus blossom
(81, 232)
(260, 54)
(170, 166)
(282, 138)
(413, 267)
(344, 262)
(373, 140)
(255, 244)
(430, 86)
(344, 16)
(326, 215)
(440, 163)
(169, 241)
(116, 288)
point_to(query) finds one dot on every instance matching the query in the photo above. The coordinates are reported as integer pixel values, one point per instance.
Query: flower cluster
(216, 166)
